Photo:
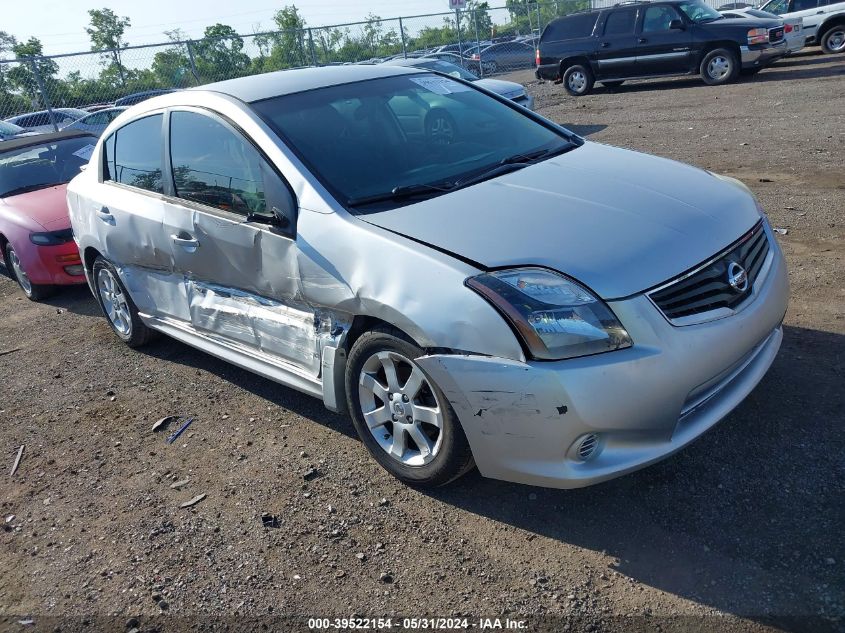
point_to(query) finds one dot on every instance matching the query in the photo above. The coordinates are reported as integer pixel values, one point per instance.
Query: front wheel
(118, 306)
(834, 40)
(578, 80)
(401, 416)
(719, 66)
(33, 292)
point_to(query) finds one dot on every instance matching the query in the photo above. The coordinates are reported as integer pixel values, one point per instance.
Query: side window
(108, 157)
(658, 18)
(620, 22)
(803, 5)
(215, 166)
(778, 7)
(133, 154)
(572, 27)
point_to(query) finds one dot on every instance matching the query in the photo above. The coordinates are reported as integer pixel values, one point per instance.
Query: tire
(833, 40)
(33, 292)
(430, 449)
(612, 84)
(719, 66)
(119, 309)
(578, 80)
(440, 127)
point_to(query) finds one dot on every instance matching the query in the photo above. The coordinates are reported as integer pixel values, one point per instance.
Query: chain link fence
(485, 42)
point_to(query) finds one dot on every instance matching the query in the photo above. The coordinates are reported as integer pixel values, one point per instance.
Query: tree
(6, 43)
(219, 54)
(288, 48)
(476, 14)
(106, 32)
(22, 77)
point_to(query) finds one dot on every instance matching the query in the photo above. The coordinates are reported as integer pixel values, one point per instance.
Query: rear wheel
(833, 41)
(402, 417)
(33, 292)
(118, 306)
(578, 80)
(719, 66)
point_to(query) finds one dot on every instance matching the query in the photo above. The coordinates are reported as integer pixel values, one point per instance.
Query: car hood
(45, 207)
(504, 88)
(616, 220)
(749, 22)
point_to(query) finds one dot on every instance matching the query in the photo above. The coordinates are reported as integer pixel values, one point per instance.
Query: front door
(662, 50)
(616, 54)
(240, 273)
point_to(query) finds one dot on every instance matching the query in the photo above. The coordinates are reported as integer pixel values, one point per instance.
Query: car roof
(41, 139)
(283, 82)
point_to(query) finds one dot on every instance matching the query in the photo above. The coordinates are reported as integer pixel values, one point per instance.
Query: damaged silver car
(554, 311)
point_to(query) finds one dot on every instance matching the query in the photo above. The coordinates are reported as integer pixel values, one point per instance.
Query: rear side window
(621, 22)
(803, 5)
(571, 27)
(215, 166)
(133, 154)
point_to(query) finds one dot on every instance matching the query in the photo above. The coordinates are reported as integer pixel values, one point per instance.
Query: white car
(823, 20)
(793, 28)
(97, 121)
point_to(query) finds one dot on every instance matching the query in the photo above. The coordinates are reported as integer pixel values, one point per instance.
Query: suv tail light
(476, 57)
(758, 36)
(537, 58)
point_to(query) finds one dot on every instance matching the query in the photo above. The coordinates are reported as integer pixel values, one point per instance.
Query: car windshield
(446, 68)
(391, 140)
(699, 12)
(38, 166)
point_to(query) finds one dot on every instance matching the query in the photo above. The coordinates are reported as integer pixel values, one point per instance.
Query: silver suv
(554, 311)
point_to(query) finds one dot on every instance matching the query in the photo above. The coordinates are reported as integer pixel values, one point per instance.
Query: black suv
(638, 40)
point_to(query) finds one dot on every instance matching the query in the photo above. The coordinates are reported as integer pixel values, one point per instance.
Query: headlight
(556, 317)
(52, 238)
(758, 36)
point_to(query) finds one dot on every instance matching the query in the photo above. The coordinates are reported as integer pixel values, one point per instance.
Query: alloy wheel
(836, 40)
(114, 302)
(400, 408)
(577, 81)
(20, 274)
(718, 67)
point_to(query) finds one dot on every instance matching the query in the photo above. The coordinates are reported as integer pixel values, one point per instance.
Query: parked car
(10, 130)
(823, 21)
(735, 5)
(508, 89)
(35, 235)
(470, 303)
(636, 40)
(97, 121)
(138, 97)
(504, 57)
(41, 121)
(792, 27)
(452, 58)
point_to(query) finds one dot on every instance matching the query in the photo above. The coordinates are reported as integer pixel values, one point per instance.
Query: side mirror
(280, 201)
(677, 25)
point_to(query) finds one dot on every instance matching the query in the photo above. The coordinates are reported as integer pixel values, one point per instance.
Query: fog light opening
(588, 446)
(74, 270)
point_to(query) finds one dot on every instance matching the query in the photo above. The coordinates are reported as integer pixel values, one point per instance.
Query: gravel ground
(742, 531)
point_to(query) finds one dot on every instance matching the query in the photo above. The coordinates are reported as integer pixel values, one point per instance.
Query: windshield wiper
(512, 163)
(402, 191)
(27, 188)
(531, 157)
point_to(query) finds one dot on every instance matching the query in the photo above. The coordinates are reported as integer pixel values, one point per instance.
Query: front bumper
(56, 265)
(525, 420)
(761, 55)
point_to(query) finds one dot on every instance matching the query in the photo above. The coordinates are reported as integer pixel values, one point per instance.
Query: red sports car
(35, 235)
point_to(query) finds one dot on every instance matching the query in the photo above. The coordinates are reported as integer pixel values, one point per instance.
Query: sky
(60, 24)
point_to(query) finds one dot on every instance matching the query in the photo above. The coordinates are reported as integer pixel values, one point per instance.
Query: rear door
(240, 273)
(128, 214)
(662, 50)
(616, 54)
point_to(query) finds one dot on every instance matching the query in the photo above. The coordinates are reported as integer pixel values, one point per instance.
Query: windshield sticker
(440, 85)
(85, 152)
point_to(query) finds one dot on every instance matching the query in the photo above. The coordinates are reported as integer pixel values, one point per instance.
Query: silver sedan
(554, 311)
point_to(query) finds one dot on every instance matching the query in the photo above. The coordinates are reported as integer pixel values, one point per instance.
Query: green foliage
(219, 54)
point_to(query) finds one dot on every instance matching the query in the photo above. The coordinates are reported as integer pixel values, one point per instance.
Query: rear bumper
(549, 72)
(763, 54)
(525, 421)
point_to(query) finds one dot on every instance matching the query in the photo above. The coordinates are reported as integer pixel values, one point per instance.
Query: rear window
(571, 27)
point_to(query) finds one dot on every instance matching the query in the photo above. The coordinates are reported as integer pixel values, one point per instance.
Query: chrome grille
(707, 287)
(776, 34)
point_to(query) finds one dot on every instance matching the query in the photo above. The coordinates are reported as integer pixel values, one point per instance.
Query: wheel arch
(580, 58)
(837, 19)
(728, 44)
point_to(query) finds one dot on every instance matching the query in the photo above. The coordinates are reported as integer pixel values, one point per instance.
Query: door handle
(190, 244)
(819, 12)
(642, 40)
(605, 44)
(105, 215)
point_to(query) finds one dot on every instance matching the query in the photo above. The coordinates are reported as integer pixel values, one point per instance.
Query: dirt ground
(741, 531)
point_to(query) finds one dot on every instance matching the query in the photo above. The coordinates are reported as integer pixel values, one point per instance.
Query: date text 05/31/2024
(413, 624)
